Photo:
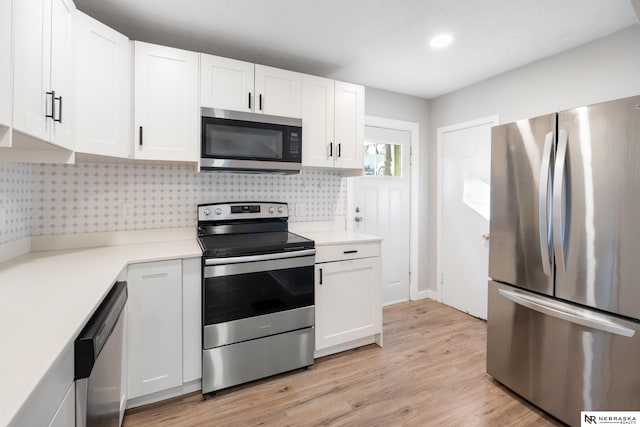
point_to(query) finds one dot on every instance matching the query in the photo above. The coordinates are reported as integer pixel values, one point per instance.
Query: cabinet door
(66, 414)
(226, 83)
(277, 91)
(154, 335)
(5, 62)
(192, 319)
(347, 301)
(31, 70)
(62, 72)
(167, 117)
(103, 89)
(349, 122)
(317, 121)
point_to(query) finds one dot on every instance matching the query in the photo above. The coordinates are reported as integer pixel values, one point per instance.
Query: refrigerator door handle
(565, 312)
(559, 226)
(543, 204)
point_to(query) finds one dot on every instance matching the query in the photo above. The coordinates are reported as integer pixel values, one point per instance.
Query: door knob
(359, 218)
(486, 236)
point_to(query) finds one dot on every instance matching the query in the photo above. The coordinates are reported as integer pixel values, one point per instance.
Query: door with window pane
(382, 200)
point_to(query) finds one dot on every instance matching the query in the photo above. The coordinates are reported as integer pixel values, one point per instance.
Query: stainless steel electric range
(257, 293)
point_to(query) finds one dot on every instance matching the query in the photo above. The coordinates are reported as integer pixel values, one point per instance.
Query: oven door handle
(265, 257)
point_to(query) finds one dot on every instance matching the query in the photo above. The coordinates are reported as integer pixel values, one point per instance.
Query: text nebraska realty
(611, 419)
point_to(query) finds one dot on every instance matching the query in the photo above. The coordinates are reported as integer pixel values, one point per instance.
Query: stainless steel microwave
(234, 141)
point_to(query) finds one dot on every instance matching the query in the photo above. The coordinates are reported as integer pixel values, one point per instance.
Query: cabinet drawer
(346, 251)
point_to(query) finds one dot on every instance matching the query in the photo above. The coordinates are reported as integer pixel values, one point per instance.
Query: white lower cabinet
(66, 414)
(348, 300)
(154, 332)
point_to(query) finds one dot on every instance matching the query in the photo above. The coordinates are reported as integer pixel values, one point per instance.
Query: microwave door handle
(249, 100)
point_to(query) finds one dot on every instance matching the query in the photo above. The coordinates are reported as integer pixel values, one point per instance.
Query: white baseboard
(377, 339)
(110, 238)
(428, 293)
(14, 249)
(165, 394)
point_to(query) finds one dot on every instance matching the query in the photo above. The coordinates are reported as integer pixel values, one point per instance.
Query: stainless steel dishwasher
(98, 363)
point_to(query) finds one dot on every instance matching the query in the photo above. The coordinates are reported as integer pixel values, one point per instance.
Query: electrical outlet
(301, 209)
(128, 210)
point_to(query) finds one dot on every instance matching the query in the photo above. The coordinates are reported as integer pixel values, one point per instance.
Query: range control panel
(242, 210)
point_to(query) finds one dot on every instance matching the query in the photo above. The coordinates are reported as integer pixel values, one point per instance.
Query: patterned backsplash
(93, 197)
(15, 201)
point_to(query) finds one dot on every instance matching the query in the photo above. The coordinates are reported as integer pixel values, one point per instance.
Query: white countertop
(45, 300)
(336, 237)
(47, 297)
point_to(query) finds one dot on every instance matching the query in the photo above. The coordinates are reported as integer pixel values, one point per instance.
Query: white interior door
(464, 248)
(382, 205)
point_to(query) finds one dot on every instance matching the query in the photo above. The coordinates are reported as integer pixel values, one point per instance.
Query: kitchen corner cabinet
(103, 89)
(348, 296)
(333, 123)
(242, 86)
(5, 62)
(154, 331)
(166, 113)
(43, 70)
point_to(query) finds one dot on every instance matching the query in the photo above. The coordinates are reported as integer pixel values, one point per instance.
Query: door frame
(492, 120)
(414, 156)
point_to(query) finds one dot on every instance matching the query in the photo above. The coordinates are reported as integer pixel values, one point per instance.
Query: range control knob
(207, 212)
(271, 210)
(218, 211)
(280, 209)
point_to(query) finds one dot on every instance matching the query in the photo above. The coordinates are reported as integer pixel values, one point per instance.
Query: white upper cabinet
(43, 70)
(226, 83)
(167, 116)
(278, 92)
(5, 62)
(103, 89)
(242, 86)
(349, 125)
(332, 123)
(317, 121)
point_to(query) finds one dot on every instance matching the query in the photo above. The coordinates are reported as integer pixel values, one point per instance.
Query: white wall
(606, 69)
(393, 105)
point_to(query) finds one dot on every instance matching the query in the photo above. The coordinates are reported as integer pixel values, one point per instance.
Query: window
(382, 159)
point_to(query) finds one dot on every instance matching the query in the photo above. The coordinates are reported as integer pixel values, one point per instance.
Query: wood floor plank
(431, 372)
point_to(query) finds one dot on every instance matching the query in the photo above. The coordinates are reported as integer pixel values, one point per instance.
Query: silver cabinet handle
(558, 184)
(543, 203)
(565, 312)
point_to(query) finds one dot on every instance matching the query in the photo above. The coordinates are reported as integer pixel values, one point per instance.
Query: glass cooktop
(231, 245)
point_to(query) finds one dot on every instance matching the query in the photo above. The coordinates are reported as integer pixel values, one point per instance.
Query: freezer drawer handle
(590, 320)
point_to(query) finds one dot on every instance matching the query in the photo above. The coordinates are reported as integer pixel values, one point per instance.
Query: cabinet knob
(486, 236)
(359, 218)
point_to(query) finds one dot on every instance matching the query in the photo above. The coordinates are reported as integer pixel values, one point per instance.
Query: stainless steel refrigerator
(564, 259)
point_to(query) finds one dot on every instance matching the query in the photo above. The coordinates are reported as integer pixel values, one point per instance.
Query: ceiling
(376, 43)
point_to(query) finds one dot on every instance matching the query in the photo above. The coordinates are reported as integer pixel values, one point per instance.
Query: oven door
(256, 296)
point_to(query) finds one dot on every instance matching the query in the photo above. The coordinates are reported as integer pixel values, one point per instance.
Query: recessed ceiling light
(440, 41)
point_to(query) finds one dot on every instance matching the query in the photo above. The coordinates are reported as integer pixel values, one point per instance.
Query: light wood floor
(431, 372)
